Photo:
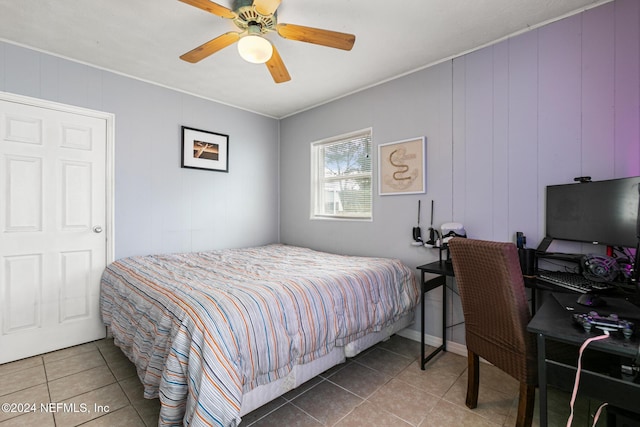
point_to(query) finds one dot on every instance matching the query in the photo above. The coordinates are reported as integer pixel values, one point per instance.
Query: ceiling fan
(255, 18)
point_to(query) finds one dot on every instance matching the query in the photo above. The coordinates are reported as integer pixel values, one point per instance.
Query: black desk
(553, 321)
(442, 270)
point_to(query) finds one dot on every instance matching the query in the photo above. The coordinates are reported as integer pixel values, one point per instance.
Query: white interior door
(53, 221)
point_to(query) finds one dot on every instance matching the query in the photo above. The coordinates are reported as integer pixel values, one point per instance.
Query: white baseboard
(452, 347)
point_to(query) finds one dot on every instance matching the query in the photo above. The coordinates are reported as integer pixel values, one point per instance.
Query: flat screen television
(599, 212)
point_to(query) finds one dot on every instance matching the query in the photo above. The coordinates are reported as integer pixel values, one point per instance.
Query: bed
(217, 334)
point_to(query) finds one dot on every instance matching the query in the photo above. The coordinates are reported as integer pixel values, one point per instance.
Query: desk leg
(534, 291)
(422, 292)
(444, 314)
(425, 287)
(542, 380)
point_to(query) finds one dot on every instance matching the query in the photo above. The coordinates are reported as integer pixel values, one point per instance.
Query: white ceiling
(144, 39)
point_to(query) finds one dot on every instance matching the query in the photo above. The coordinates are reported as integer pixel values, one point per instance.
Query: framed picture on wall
(402, 167)
(202, 149)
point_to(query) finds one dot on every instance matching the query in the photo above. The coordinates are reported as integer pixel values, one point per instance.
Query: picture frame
(205, 150)
(402, 167)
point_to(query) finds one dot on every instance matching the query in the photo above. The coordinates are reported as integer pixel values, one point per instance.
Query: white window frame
(318, 180)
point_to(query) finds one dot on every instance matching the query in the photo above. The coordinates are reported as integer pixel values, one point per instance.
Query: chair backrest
(494, 303)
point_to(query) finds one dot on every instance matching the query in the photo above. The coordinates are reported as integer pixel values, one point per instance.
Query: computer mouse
(591, 300)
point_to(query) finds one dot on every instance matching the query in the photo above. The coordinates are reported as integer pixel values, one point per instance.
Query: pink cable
(597, 415)
(575, 386)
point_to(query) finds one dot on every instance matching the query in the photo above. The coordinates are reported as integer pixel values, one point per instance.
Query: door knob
(97, 229)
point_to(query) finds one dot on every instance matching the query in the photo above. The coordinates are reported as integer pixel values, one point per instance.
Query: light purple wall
(501, 123)
(159, 206)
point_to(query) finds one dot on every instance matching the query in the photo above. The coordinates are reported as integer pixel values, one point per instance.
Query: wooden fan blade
(277, 68)
(211, 47)
(328, 38)
(211, 7)
(266, 7)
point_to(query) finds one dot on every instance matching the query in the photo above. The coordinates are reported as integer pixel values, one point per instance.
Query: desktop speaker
(599, 268)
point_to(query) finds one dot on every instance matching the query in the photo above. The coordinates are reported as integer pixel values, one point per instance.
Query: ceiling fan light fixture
(254, 19)
(255, 49)
(266, 7)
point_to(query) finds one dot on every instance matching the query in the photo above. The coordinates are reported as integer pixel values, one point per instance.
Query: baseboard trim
(433, 341)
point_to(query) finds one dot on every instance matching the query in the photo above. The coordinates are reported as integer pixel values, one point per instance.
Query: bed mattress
(205, 328)
(300, 374)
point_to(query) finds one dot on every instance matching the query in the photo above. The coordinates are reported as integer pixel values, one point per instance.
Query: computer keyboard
(573, 281)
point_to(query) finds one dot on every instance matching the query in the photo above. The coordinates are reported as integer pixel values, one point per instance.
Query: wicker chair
(496, 314)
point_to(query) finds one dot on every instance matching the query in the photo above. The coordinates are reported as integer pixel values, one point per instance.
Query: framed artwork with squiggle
(402, 167)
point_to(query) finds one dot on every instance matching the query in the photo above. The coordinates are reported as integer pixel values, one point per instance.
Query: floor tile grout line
(305, 412)
(356, 360)
(46, 377)
(413, 358)
(22, 360)
(346, 389)
(74, 373)
(132, 404)
(286, 402)
(118, 381)
(94, 389)
(305, 391)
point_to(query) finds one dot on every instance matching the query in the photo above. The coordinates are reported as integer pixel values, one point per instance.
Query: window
(341, 176)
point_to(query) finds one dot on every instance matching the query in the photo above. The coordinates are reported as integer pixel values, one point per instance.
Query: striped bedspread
(203, 328)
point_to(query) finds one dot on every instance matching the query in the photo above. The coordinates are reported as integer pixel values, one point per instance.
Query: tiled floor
(95, 385)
